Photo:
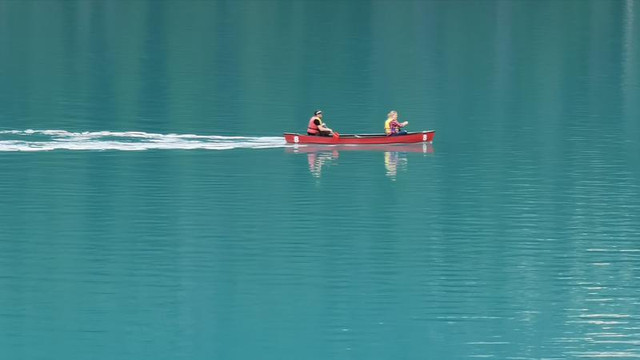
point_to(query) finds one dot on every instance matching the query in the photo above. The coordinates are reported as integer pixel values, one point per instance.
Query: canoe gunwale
(358, 136)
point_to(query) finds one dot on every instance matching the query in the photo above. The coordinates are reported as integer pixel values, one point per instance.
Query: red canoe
(412, 137)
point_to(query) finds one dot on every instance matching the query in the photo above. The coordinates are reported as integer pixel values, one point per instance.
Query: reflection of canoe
(420, 148)
(412, 137)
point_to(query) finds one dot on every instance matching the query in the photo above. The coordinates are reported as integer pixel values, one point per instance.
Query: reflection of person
(317, 127)
(317, 161)
(393, 160)
(392, 126)
(391, 163)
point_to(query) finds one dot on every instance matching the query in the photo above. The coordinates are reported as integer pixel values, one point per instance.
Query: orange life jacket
(313, 128)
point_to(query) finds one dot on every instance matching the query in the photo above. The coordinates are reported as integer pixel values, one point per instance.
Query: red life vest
(313, 128)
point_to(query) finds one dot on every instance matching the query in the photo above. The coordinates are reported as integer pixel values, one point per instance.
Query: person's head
(393, 114)
(318, 113)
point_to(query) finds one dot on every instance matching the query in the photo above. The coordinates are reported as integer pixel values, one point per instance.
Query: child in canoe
(392, 126)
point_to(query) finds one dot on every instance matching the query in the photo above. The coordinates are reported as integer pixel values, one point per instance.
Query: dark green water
(151, 210)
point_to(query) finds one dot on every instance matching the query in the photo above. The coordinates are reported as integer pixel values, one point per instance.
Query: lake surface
(150, 208)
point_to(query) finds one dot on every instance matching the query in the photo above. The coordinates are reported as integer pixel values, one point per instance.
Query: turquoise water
(151, 210)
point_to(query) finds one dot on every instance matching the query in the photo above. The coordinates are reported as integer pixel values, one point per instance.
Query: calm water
(151, 210)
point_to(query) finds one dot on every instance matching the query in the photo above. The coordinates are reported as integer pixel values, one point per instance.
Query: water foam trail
(47, 140)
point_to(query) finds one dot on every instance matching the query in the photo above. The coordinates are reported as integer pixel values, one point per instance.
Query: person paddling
(317, 127)
(392, 126)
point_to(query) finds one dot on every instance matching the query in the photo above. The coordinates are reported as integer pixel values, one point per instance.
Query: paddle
(336, 135)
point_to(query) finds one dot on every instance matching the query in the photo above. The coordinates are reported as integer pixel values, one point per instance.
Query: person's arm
(323, 127)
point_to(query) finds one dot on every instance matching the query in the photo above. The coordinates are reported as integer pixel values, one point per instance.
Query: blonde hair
(391, 113)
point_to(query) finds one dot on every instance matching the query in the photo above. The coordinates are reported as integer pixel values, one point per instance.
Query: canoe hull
(413, 137)
(425, 148)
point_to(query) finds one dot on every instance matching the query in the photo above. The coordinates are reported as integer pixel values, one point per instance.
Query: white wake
(47, 140)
